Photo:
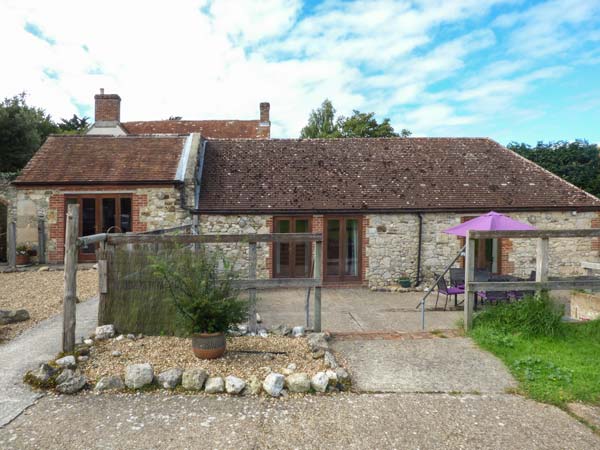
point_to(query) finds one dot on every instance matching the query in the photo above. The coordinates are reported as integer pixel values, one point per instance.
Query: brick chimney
(108, 107)
(264, 112)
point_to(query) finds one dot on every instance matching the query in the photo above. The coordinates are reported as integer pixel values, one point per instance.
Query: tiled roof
(378, 174)
(104, 159)
(216, 129)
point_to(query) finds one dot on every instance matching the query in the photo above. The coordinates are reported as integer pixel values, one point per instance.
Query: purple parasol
(491, 221)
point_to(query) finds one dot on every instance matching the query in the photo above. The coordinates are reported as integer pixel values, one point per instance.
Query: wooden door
(342, 249)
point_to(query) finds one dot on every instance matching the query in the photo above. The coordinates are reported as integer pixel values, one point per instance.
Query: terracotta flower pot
(22, 260)
(208, 345)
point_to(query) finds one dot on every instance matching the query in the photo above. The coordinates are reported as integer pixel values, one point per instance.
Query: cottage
(380, 203)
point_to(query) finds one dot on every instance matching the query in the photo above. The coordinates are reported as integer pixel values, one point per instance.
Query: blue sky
(510, 70)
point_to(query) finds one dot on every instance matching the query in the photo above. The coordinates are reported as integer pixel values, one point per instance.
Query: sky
(511, 70)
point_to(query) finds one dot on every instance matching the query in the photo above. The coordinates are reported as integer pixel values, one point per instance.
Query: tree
(74, 125)
(23, 129)
(577, 162)
(323, 124)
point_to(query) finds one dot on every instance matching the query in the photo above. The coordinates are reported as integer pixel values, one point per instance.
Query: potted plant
(23, 253)
(201, 285)
(404, 281)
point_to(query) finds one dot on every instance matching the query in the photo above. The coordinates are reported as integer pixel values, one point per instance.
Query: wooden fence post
(469, 277)
(12, 244)
(69, 303)
(541, 261)
(252, 257)
(41, 241)
(318, 274)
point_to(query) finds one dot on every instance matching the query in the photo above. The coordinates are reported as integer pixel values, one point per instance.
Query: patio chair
(518, 295)
(442, 288)
(494, 296)
(457, 277)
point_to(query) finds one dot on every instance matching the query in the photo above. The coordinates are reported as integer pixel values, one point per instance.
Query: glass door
(101, 214)
(342, 249)
(292, 259)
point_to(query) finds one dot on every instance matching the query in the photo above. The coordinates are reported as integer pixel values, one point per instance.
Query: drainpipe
(418, 281)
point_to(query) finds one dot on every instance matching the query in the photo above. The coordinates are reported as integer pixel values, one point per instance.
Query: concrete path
(28, 351)
(423, 365)
(357, 309)
(345, 421)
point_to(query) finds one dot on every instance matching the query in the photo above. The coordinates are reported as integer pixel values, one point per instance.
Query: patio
(354, 310)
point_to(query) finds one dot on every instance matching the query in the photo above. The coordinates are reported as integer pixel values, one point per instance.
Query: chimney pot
(101, 91)
(264, 112)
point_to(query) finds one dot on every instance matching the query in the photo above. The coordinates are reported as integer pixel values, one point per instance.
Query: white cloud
(219, 59)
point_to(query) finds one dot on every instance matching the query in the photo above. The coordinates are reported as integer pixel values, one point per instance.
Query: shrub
(532, 316)
(203, 293)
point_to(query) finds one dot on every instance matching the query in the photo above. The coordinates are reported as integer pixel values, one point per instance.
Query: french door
(108, 213)
(292, 259)
(342, 249)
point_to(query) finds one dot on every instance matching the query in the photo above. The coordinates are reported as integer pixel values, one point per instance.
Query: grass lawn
(554, 362)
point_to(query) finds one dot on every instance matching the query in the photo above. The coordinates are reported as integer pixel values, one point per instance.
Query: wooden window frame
(342, 278)
(292, 247)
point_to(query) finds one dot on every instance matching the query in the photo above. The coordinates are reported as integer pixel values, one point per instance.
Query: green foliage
(74, 125)
(577, 162)
(23, 129)
(554, 361)
(204, 295)
(532, 316)
(323, 124)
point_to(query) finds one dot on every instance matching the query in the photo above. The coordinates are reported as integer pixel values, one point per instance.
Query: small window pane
(125, 215)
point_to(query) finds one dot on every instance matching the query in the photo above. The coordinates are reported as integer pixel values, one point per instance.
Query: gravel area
(40, 293)
(246, 356)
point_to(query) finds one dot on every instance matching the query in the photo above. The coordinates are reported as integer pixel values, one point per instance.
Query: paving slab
(423, 365)
(344, 421)
(358, 309)
(28, 350)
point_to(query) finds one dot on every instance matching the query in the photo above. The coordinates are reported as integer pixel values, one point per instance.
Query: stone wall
(393, 241)
(238, 253)
(152, 208)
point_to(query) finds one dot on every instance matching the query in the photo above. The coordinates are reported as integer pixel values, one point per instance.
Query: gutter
(266, 211)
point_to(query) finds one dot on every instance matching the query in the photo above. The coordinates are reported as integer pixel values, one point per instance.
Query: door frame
(90, 257)
(292, 246)
(342, 278)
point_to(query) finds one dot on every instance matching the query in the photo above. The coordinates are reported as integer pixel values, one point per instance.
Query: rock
(234, 385)
(258, 318)
(83, 351)
(170, 379)
(43, 373)
(64, 376)
(131, 337)
(253, 387)
(193, 379)
(67, 361)
(43, 269)
(280, 330)
(243, 329)
(119, 337)
(105, 332)
(298, 331)
(9, 316)
(292, 366)
(263, 333)
(331, 375)
(214, 385)
(82, 358)
(273, 384)
(88, 341)
(317, 341)
(138, 375)
(319, 381)
(318, 354)
(298, 382)
(116, 353)
(342, 374)
(330, 360)
(72, 382)
(109, 383)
